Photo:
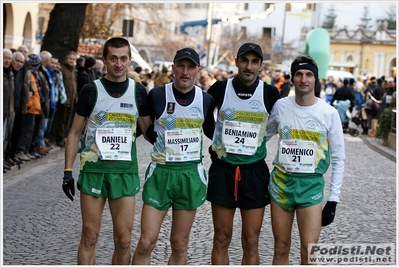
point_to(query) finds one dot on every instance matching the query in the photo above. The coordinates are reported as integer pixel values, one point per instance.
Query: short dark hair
(70, 53)
(80, 61)
(117, 42)
(138, 69)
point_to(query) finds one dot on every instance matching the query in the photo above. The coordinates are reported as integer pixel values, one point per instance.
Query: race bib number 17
(182, 145)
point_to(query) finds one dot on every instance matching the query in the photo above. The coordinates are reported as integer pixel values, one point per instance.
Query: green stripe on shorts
(292, 191)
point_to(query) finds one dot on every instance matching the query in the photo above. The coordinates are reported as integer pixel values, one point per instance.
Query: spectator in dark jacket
(86, 74)
(68, 73)
(21, 97)
(345, 93)
(8, 99)
(373, 110)
(378, 91)
(57, 128)
(32, 83)
(317, 89)
(286, 86)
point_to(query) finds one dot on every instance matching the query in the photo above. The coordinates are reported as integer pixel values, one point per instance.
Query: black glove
(328, 213)
(151, 134)
(68, 185)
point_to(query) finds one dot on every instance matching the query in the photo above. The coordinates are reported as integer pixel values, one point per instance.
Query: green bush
(384, 124)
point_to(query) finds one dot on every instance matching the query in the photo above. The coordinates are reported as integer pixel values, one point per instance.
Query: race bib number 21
(297, 155)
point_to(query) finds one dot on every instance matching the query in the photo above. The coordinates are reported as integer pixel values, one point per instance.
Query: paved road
(42, 227)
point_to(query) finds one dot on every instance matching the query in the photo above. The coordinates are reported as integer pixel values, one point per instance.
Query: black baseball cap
(250, 47)
(187, 53)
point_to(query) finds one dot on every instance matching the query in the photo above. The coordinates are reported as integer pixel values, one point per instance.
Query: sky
(350, 13)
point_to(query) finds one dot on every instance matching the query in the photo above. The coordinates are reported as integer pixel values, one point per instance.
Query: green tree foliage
(391, 17)
(329, 20)
(65, 23)
(366, 18)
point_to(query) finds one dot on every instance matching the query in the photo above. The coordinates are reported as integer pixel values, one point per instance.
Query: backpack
(358, 99)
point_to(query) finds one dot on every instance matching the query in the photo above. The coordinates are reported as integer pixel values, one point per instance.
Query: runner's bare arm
(144, 122)
(71, 148)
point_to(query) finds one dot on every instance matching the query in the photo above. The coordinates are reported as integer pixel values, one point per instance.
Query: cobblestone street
(41, 226)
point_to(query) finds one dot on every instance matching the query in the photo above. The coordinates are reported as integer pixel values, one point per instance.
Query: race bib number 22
(114, 143)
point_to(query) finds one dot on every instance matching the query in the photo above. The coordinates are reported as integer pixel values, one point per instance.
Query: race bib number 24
(240, 137)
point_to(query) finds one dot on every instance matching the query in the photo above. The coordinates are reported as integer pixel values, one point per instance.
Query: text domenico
(297, 151)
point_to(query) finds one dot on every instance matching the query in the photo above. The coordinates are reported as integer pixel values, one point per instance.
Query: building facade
(20, 25)
(364, 52)
(157, 31)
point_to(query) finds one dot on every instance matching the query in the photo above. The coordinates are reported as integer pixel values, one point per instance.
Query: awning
(202, 23)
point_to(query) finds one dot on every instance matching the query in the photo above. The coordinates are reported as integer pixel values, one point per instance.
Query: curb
(14, 172)
(377, 149)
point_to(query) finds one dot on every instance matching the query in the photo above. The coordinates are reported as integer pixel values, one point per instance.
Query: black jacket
(345, 93)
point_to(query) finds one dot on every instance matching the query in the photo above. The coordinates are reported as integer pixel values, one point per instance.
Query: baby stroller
(356, 120)
(349, 120)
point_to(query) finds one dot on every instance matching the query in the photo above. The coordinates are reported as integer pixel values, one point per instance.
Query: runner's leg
(151, 221)
(182, 221)
(309, 225)
(251, 224)
(281, 225)
(92, 210)
(223, 231)
(122, 212)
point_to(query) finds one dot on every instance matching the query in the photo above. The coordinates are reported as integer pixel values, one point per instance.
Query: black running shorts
(243, 186)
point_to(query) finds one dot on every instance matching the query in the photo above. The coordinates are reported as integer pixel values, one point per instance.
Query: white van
(158, 65)
(137, 60)
(340, 75)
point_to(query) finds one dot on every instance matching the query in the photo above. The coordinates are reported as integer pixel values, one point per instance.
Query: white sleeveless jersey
(109, 112)
(240, 130)
(179, 131)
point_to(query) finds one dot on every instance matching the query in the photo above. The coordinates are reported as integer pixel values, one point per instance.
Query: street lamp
(209, 31)
(282, 35)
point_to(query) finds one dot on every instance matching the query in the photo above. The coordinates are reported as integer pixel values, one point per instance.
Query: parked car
(340, 75)
(158, 65)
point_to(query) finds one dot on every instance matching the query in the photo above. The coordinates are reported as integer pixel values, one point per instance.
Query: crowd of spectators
(53, 85)
(40, 92)
(368, 96)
